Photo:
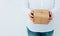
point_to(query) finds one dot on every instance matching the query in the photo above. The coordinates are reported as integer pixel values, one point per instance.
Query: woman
(39, 29)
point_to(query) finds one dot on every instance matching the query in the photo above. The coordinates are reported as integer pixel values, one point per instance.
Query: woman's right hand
(31, 15)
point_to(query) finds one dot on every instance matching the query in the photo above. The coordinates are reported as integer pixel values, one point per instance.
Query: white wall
(12, 18)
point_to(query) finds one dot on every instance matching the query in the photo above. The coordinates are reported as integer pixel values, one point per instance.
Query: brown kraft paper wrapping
(41, 16)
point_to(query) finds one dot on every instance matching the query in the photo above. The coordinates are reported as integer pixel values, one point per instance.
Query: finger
(50, 16)
(50, 13)
(31, 16)
(50, 19)
(32, 19)
(32, 12)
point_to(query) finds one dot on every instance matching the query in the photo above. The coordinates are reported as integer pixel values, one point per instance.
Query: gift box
(41, 16)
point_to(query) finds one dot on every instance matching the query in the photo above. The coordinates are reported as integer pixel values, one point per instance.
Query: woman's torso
(40, 4)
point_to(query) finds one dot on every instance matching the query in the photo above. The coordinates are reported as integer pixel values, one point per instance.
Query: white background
(12, 18)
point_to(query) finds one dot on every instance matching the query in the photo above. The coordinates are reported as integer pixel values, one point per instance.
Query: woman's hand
(31, 15)
(50, 16)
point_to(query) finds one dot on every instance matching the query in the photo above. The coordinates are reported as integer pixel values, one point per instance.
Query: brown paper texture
(41, 16)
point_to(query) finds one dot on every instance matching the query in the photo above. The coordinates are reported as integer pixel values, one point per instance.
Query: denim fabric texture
(31, 33)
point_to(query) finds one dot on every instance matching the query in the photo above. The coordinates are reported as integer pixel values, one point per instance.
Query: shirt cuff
(27, 11)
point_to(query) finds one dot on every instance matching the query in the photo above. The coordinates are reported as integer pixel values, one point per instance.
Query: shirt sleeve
(54, 11)
(26, 12)
(26, 5)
